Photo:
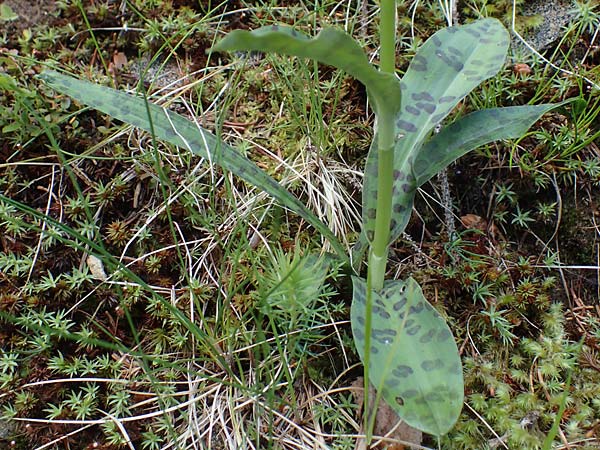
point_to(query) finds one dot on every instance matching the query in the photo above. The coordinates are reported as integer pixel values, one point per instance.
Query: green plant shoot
(404, 343)
(406, 347)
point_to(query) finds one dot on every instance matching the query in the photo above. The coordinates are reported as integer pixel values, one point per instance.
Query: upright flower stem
(378, 252)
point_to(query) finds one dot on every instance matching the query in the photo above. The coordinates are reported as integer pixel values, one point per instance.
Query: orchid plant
(407, 349)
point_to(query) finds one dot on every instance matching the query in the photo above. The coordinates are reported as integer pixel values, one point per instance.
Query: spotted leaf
(414, 361)
(472, 131)
(445, 69)
(179, 131)
(331, 47)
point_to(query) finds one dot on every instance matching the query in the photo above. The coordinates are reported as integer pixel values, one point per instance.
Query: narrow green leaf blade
(414, 361)
(331, 47)
(445, 69)
(472, 131)
(179, 131)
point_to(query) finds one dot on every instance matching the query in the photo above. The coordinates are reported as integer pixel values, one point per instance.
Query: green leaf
(331, 47)
(472, 131)
(414, 361)
(445, 69)
(179, 131)
(6, 13)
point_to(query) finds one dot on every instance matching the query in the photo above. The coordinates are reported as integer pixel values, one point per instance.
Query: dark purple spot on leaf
(449, 61)
(454, 51)
(414, 330)
(443, 336)
(392, 382)
(399, 401)
(371, 213)
(399, 209)
(427, 337)
(419, 64)
(379, 311)
(455, 369)
(428, 107)
(412, 110)
(389, 332)
(358, 334)
(418, 96)
(398, 175)
(432, 364)
(406, 126)
(434, 397)
(436, 41)
(420, 401)
(410, 393)
(407, 188)
(399, 304)
(374, 350)
(402, 371)
(447, 99)
(417, 308)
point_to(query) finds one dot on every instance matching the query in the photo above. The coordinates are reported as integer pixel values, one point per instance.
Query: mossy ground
(514, 268)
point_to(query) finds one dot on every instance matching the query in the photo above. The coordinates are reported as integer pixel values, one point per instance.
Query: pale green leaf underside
(331, 47)
(181, 132)
(445, 69)
(414, 360)
(472, 131)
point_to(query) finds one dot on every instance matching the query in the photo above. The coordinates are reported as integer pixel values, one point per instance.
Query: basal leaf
(414, 361)
(445, 69)
(179, 131)
(472, 131)
(331, 47)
